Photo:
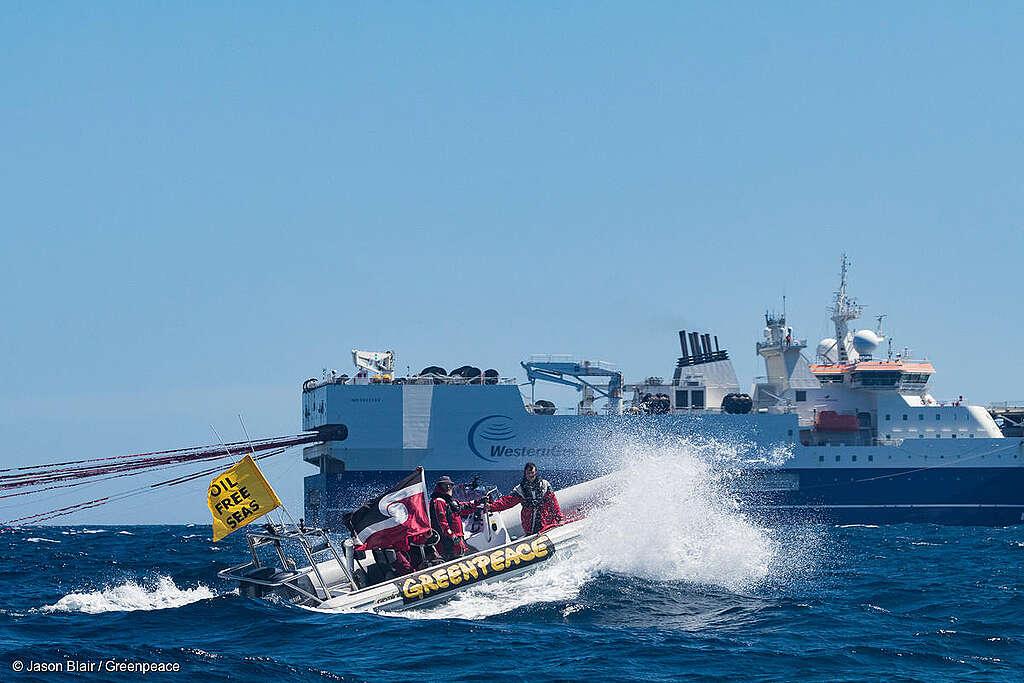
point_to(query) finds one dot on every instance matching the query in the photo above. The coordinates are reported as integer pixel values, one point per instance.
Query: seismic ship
(852, 437)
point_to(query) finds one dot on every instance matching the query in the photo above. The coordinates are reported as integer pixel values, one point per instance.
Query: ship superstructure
(864, 440)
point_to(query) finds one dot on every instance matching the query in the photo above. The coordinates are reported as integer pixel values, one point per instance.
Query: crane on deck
(569, 372)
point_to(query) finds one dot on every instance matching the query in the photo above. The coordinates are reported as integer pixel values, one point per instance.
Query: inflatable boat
(310, 568)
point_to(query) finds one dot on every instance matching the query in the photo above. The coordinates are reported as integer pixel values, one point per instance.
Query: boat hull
(445, 581)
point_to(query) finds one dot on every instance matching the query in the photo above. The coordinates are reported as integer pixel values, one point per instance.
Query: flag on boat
(394, 516)
(239, 496)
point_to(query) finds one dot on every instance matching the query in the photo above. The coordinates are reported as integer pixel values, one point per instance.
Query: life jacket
(451, 512)
(532, 495)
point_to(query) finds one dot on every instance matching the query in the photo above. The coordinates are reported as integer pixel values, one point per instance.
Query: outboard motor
(490, 376)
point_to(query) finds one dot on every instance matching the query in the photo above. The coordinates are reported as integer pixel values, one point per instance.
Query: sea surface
(673, 582)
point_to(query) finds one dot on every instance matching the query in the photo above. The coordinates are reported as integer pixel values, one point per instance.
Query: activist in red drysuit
(540, 506)
(403, 563)
(446, 515)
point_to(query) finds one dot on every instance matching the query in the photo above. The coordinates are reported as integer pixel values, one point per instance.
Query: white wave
(41, 540)
(125, 533)
(669, 519)
(130, 597)
(93, 531)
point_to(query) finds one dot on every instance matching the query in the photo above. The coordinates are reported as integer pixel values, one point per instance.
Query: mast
(844, 310)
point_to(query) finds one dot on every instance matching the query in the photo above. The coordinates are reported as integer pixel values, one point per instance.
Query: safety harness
(532, 495)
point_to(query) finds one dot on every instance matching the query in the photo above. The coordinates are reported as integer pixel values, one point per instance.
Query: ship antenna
(844, 309)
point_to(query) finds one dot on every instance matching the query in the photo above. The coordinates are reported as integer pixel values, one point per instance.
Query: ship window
(938, 417)
(920, 416)
(954, 436)
(821, 458)
(904, 417)
(871, 458)
(697, 399)
(938, 436)
(801, 396)
(837, 458)
(682, 399)
(972, 436)
(876, 379)
(888, 417)
(920, 436)
(854, 458)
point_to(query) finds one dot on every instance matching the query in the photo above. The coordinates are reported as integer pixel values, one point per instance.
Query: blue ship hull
(964, 496)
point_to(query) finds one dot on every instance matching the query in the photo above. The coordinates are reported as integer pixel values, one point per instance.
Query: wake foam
(130, 597)
(670, 517)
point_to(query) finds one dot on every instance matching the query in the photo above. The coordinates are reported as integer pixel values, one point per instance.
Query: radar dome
(828, 350)
(865, 342)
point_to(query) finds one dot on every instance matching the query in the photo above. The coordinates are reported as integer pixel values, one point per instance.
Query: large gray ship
(853, 436)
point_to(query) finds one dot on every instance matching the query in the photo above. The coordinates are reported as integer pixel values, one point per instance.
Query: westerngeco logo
(491, 439)
(475, 568)
(489, 434)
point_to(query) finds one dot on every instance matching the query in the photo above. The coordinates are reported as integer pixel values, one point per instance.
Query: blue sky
(204, 206)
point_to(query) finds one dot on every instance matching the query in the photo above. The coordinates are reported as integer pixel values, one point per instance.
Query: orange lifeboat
(831, 421)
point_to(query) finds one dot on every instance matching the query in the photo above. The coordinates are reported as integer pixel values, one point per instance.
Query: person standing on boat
(540, 505)
(446, 515)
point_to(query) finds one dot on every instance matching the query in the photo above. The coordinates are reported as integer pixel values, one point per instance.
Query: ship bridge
(876, 375)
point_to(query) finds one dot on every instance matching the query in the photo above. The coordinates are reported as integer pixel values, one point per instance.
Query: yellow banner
(239, 496)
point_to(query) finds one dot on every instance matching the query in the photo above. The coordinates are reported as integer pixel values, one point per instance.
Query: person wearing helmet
(446, 515)
(540, 506)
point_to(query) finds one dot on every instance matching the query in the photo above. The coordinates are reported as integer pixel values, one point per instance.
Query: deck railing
(311, 384)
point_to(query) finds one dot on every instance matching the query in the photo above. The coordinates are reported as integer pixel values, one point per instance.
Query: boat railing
(311, 384)
(313, 543)
(1004, 404)
(942, 403)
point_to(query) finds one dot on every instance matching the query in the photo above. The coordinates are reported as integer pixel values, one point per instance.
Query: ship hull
(984, 496)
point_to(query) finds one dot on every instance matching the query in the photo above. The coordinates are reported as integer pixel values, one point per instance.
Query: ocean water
(673, 582)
